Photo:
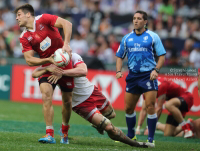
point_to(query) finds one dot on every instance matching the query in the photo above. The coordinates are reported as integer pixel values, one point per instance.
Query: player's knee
(129, 110)
(110, 114)
(150, 107)
(46, 96)
(167, 106)
(104, 124)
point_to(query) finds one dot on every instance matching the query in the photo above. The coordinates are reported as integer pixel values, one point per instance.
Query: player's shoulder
(152, 34)
(38, 17)
(24, 34)
(127, 35)
(76, 57)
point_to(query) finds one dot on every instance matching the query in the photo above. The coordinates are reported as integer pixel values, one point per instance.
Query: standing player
(140, 47)
(41, 35)
(89, 102)
(178, 103)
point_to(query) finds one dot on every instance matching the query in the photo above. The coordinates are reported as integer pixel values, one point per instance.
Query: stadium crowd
(98, 26)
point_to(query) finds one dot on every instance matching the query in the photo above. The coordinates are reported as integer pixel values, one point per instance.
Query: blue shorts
(139, 83)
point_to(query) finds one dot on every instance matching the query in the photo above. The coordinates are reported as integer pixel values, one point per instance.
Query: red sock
(65, 129)
(50, 132)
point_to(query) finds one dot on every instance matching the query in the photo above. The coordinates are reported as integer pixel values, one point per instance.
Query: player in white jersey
(88, 101)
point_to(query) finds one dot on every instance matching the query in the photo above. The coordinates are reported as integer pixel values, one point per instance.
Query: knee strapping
(104, 122)
(109, 114)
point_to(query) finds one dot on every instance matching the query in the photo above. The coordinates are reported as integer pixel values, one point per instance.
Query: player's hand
(53, 79)
(51, 60)
(54, 70)
(199, 92)
(153, 75)
(66, 48)
(119, 75)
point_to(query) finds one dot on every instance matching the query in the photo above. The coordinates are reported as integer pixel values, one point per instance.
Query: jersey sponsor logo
(130, 39)
(45, 44)
(137, 49)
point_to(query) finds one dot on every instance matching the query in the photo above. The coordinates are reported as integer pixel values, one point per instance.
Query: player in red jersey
(178, 103)
(42, 36)
(88, 102)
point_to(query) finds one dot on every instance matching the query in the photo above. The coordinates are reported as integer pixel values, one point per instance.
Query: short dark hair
(25, 8)
(143, 13)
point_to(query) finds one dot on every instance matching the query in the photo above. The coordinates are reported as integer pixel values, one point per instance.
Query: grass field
(21, 125)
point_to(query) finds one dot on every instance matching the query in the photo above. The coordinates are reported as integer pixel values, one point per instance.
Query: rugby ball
(62, 59)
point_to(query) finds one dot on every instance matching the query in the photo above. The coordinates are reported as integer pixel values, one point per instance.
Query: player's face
(138, 21)
(21, 18)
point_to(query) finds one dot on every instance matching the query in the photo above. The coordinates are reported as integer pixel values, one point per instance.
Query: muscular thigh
(150, 97)
(131, 101)
(46, 89)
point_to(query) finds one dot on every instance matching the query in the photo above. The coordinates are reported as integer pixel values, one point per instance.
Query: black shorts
(183, 108)
(63, 89)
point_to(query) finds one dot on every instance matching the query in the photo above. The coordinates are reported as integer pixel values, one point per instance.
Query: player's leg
(150, 99)
(130, 104)
(170, 126)
(142, 116)
(175, 106)
(113, 132)
(108, 112)
(66, 113)
(160, 126)
(47, 93)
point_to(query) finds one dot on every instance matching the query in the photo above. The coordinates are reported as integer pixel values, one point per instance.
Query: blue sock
(151, 121)
(131, 121)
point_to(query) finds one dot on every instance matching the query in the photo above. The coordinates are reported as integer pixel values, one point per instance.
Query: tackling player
(178, 103)
(41, 36)
(89, 102)
(140, 46)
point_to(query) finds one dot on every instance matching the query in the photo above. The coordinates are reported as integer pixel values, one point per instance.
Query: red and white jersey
(44, 39)
(83, 87)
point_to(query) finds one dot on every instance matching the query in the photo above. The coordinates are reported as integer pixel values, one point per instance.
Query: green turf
(22, 124)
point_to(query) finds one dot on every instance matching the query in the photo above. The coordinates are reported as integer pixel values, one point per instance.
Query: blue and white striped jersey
(140, 50)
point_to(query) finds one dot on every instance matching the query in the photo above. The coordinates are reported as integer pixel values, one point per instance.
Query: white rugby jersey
(83, 87)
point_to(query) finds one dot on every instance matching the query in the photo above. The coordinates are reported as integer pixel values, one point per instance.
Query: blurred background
(99, 25)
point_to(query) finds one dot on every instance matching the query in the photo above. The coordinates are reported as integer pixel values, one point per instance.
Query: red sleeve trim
(77, 64)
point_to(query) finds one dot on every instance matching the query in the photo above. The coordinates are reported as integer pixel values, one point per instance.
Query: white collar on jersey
(34, 23)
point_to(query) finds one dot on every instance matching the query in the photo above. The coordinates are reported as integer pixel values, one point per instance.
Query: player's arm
(33, 61)
(42, 70)
(39, 72)
(161, 60)
(79, 71)
(161, 101)
(160, 52)
(67, 29)
(120, 54)
(119, 63)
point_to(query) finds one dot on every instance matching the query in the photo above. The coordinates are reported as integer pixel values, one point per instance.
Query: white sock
(49, 127)
(182, 123)
(138, 128)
